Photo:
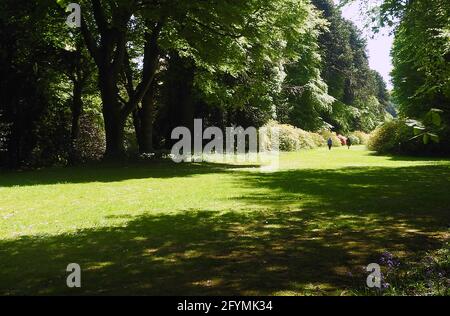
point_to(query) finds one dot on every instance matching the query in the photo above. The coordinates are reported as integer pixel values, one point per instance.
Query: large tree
(421, 58)
(342, 90)
(106, 27)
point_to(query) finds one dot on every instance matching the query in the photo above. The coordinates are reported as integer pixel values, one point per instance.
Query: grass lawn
(212, 229)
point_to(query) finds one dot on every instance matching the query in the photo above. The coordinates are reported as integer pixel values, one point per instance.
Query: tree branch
(151, 62)
(128, 75)
(99, 16)
(90, 43)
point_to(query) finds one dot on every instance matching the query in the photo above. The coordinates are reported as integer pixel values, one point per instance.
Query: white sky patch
(378, 47)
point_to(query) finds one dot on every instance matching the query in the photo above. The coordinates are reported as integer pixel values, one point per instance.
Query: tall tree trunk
(143, 122)
(147, 118)
(77, 108)
(112, 115)
(138, 129)
(144, 116)
(180, 99)
(114, 132)
(109, 51)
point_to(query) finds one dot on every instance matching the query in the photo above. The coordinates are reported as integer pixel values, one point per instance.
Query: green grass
(215, 229)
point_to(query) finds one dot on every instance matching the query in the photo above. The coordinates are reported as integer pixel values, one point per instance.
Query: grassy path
(219, 229)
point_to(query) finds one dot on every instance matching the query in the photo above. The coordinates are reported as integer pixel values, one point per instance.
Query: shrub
(342, 139)
(363, 138)
(91, 143)
(52, 139)
(289, 138)
(329, 134)
(305, 140)
(318, 139)
(355, 140)
(293, 139)
(395, 137)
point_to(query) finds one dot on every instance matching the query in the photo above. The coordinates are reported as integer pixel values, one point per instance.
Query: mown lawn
(215, 229)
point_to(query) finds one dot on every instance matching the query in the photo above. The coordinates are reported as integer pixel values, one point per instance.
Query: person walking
(330, 143)
(349, 142)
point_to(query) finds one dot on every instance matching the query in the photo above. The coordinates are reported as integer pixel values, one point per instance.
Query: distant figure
(330, 143)
(349, 142)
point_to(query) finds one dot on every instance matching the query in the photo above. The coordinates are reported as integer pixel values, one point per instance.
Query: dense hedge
(396, 137)
(328, 134)
(388, 138)
(293, 138)
(359, 138)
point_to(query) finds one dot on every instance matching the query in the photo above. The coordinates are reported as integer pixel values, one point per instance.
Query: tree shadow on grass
(417, 157)
(412, 198)
(114, 173)
(316, 227)
(196, 253)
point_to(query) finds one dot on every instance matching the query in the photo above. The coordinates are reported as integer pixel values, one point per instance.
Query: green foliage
(354, 140)
(306, 93)
(239, 63)
(295, 139)
(427, 274)
(318, 139)
(285, 72)
(421, 58)
(343, 117)
(395, 137)
(408, 136)
(289, 138)
(91, 141)
(361, 138)
(326, 134)
(430, 128)
(360, 94)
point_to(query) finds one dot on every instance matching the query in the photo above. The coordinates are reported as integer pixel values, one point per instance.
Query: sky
(378, 47)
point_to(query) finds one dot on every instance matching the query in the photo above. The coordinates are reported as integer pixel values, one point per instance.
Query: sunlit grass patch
(208, 228)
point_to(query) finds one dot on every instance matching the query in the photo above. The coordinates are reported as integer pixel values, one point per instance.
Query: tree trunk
(147, 117)
(143, 122)
(77, 108)
(144, 116)
(114, 132)
(112, 116)
(138, 128)
(180, 99)
(111, 57)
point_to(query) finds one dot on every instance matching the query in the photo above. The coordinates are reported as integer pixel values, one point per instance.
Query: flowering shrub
(362, 138)
(293, 138)
(328, 134)
(342, 139)
(289, 138)
(318, 139)
(426, 275)
(355, 140)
